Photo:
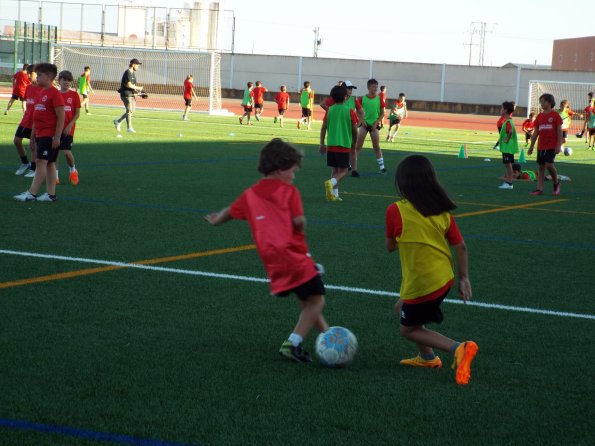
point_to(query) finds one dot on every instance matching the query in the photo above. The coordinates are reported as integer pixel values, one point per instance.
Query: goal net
(574, 92)
(161, 74)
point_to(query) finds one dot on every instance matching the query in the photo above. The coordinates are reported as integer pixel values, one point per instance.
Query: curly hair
(278, 155)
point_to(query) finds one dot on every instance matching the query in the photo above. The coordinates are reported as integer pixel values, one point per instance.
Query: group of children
(49, 122)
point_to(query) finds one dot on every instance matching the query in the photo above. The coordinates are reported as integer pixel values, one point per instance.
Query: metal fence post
(16, 45)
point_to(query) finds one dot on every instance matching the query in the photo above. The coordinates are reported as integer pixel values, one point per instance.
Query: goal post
(574, 92)
(162, 74)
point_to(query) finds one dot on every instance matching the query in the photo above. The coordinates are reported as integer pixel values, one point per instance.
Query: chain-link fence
(24, 42)
(132, 26)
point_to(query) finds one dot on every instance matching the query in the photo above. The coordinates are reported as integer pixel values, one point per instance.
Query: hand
(322, 149)
(211, 218)
(55, 143)
(530, 151)
(465, 289)
(67, 130)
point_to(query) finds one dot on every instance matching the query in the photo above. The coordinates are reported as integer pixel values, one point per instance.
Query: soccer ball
(567, 151)
(336, 347)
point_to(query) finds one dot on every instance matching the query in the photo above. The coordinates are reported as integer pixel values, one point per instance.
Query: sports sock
(73, 168)
(454, 347)
(295, 339)
(24, 160)
(427, 356)
(380, 162)
(56, 173)
(334, 181)
(336, 192)
(33, 165)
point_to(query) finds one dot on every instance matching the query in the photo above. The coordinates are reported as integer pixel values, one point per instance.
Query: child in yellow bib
(421, 227)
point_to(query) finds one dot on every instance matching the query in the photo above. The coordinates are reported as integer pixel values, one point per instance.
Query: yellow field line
(508, 208)
(103, 269)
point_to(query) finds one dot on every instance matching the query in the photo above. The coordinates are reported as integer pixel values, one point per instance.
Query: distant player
(85, 88)
(508, 143)
(518, 174)
(373, 112)
(48, 123)
(282, 100)
(586, 115)
(499, 123)
(566, 114)
(307, 104)
(24, 128)
(72, 111)
(20, 80)
(188, 95)
(339, 127)
(398, 112)
(382, 95)
(591, 126)
(548, 133)
(259, 92)
(528, 127)
(128, 89)
(247, 103)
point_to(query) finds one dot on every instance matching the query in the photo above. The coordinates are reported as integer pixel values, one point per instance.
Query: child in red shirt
(258, 92)
(282, 100)
(20, 80)
(72, 111)
(528, 126)
(273, 209)
(48, 123)
(188, 95)
(24, 129)
(548, 128)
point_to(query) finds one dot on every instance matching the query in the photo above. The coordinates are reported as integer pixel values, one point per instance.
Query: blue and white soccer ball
(336, 347)
(567, 151)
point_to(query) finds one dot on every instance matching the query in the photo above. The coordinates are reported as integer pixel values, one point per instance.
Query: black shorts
(66, 142)
(247, 108)
(128, 103)
(591, 132)
(258, 106)
(393, 121)
(507, 158)
(528, 135)
(312, 287)
(188, 102)
(564, 134)
(546, 157)
(370, 128)
(23, 132)
(45, 150)
(85, 96)
(337, 159)
(282, 111)
(306, 112)
(16, 96)
(424, 313)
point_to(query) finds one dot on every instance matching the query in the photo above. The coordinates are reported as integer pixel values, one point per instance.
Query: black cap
(135, 62)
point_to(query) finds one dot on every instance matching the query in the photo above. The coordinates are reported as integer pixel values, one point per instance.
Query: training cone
(522, 158)
(463, 151)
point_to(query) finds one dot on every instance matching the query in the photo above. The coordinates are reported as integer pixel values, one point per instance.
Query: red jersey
(270, 206)
(282, 100)
(44, 113)
(500, 121)
(528, 125)
(72, 102)
(547, 124)
(382, 96)
(258, 94)
(188, 89)
(30, 92)
(587, 112)
(19, 84)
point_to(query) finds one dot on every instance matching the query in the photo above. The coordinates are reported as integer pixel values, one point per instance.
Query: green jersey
(371, 108)
(84, 84)
(512, 146)
(565, 115)
(591, 123)
(339, 126)
(307, 98)
(247, 100)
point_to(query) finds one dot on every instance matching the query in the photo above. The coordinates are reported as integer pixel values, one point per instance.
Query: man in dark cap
(128, 90)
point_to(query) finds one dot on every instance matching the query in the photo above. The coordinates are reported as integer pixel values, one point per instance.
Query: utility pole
(480, 28)
(317, 41)
(472, 32)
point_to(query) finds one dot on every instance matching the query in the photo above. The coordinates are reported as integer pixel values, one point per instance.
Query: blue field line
(86, 434)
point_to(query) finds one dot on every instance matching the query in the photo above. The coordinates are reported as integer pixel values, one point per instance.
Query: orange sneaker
(464, 355)
(74, 178)
(418, 361)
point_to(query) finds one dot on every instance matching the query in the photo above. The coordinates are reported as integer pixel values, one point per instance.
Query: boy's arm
(391, 244)
(299, 223)
(533, 139)
(68, 128)
(353, 135)
(218, 218)
(463, 270)
(323, 147)
(559, 140)
(405, 107)
(59, 126)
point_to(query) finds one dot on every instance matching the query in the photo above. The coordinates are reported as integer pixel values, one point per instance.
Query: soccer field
(126, 319)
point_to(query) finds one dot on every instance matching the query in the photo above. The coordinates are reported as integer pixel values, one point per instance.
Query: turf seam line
(264, 280)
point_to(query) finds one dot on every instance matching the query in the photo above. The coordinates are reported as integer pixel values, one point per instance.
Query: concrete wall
(437, 86)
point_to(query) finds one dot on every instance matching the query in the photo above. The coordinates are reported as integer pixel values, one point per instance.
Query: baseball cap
(135, 62)
(348, 84)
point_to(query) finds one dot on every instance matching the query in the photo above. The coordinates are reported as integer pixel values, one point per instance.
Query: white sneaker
(131, 130)
(25, 196)
(506, 186)
(45, 197)
(29, 174)
(117, 125)
(22, 169)
(184, 118)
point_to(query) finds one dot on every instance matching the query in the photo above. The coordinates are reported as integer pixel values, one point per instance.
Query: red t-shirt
(394, 229)
(44, 113)
(270, 206)
(72, 101)
(382, 96)
(354, 121)
(21, 80)
(587, 112)
(30, 92)
(188, 89)
(282, 100)
(547, 124)
(500, 121)
(528, 125)
(258, 93)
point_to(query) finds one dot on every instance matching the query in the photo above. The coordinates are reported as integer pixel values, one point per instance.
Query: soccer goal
(574, 92)
(162, 75)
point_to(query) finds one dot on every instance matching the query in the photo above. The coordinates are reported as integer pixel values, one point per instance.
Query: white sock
(56, 173)
(72, 169)
(295, 339)
(380, 162)
(334, 181)
(336, 192)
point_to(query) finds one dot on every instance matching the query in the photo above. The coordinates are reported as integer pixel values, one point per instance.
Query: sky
(428, 31)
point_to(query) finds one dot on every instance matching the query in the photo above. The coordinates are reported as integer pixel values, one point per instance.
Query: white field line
(263, 280)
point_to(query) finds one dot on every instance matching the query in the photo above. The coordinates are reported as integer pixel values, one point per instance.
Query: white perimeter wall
(422, 82)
